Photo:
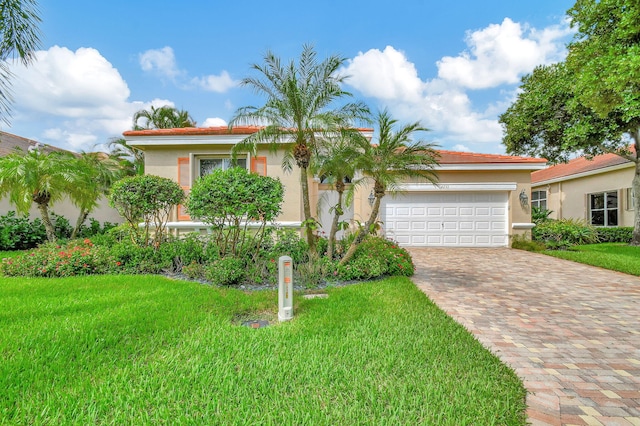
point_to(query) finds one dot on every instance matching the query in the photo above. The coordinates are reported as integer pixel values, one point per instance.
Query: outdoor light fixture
(371, 198)
(524, 198)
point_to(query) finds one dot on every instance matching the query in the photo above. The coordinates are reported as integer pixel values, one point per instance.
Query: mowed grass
(617, 257)
(148, 350)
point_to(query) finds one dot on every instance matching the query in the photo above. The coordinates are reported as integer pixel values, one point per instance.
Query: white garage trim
(448, 219)
(471, 186)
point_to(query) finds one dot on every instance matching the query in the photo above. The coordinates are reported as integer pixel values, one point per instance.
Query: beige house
(103, 213)
(480, 200)
(597, 190)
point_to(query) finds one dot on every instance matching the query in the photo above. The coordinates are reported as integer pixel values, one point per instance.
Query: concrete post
(285, 288)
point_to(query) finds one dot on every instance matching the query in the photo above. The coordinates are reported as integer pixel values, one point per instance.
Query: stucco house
(9, 143)
(596, 190)
(480, 200)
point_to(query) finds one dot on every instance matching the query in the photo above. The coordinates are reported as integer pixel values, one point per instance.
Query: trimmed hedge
(620, 234)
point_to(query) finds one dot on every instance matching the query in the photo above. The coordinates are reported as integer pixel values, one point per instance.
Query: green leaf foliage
(147, 199)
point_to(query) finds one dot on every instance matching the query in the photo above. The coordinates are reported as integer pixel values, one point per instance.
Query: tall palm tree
(19, 39)
(96, 172)
(299, 108)
(337, 165)
(37, 177)
(389, 162)
(165, 117)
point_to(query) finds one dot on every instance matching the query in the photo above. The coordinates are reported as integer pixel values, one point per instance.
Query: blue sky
(454, 66)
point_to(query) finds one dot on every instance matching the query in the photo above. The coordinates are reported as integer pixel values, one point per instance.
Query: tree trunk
(337, 212)
(306, 205)
(365, 231)
(81, 218)
(46, 220)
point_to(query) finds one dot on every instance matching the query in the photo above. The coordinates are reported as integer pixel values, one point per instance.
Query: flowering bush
(78, 257)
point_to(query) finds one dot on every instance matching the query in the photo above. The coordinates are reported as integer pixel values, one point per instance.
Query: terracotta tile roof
(8, 143)
(455, 157)
(577, 166)
(200, 131)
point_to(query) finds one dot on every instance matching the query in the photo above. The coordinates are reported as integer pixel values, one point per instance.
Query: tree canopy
(590, 103)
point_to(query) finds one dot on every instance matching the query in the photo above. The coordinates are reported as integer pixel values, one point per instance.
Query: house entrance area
(447, 219)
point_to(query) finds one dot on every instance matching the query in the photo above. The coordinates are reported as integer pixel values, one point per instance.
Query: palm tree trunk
(46, 220)
(337, 212)
(363, 232)
(81, 218)
(306, 205)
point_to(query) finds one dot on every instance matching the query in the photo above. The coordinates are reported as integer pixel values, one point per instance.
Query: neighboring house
(9, 143)
(597, 190)
(480, 201)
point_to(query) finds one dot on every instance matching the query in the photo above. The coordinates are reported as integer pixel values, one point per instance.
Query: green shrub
(539, 215)
(77, 257)
(61, 225)
(229, 200)
(615, 235)
(564, 233)
(18, 233)
(194, 270)
(226, 271)
(147, 199)
(376, 257)
(523, 242)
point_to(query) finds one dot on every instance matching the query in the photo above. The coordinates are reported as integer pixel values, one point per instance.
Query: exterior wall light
(371, 198)
(524, 198)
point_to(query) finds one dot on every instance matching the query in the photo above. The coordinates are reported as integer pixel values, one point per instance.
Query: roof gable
(578, 166)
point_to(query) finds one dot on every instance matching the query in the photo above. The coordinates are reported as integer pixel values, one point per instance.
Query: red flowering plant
(77, 257)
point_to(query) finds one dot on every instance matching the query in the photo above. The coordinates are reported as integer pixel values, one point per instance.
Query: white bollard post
(285, 288)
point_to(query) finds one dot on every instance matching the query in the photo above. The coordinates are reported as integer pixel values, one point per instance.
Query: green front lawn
(617, 257)
(148, 350)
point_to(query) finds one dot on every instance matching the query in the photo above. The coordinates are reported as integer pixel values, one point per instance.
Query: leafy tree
(300, 107)
(96, 172)
(389, 162)
(147, 199)
(165, 117)
(337, 164)
(37, 177)
(229, 200)
(19, 39)
(591, 103)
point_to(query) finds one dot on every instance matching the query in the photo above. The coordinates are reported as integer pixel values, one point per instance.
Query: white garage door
(460, 219)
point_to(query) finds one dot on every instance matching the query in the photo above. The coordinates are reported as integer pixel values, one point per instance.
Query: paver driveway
(570, 331)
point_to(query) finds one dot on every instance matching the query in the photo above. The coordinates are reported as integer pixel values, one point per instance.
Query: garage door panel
(448, 219)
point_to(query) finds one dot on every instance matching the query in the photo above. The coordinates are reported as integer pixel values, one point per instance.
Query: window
(207, 165)
(603, 208)
(631, 201)
(539, 199)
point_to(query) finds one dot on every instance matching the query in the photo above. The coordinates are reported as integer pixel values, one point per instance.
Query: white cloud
(502, 53)
(214, 122)
(161, 61)
(386, 75)
(216, 83)
(78, 98)
(462, 148)
(499, 55)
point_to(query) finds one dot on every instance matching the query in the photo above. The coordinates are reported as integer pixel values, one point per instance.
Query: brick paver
(570, 331)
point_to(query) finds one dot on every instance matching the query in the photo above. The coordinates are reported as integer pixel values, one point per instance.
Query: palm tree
(297, 109)
(96, 172)
(337, 164)
(389, 162)
(19, 39)
(165, 117)
(37, 177)
(130, 158)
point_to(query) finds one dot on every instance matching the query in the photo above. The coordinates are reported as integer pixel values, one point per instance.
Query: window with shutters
(603, 208)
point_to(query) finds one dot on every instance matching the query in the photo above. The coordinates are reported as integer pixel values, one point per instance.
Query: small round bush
(564, 233)
(226, 271)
